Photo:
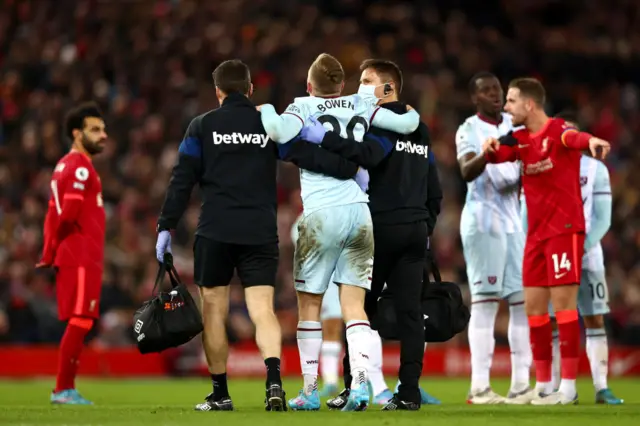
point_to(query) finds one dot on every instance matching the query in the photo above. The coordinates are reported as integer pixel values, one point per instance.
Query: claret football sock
(71, 347)
(569, 332)
(540, 337)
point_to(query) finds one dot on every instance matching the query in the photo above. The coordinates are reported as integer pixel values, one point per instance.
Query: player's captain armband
(567, 130)
(574, 139)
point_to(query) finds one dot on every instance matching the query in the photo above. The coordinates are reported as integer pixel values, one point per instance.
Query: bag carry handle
(435, 271)
(166, 267)
(431, 267)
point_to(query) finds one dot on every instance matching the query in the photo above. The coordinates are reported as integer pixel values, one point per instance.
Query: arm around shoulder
(405, 124)
(376, 145)
(318, 160)
(280, 128)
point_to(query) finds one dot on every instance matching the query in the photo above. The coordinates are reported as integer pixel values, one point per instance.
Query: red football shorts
(78, 292)
(556, 261)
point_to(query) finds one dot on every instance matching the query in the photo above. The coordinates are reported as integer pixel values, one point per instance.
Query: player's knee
(533, 309)
(593, 321)
(536, 301)
(352, 302)
(564, 298)
(309, 306)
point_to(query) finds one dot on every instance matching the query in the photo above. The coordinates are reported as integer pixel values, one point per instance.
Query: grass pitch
(170, 402)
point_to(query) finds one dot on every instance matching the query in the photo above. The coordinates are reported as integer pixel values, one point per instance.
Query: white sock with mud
(359, 340)
(309, 336)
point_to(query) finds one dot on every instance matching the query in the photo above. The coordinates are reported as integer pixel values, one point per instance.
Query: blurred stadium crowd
(149, 62)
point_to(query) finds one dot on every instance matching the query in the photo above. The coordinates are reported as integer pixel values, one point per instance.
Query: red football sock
(540, 337)
(70, 349)
(569, 331)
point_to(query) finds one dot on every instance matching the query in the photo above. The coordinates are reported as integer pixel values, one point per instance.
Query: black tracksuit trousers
(399, 261)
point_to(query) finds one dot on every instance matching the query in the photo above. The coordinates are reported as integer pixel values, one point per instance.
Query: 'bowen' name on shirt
(336, 103)
(240, 138)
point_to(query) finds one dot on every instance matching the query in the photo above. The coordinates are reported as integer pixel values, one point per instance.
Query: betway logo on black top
(240, 138)
(412, 148)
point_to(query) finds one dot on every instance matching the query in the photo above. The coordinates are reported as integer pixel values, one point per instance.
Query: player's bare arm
(493, 151)
(471, 166)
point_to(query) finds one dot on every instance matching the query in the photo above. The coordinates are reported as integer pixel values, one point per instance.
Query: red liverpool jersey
(550, 177)
(75, 223)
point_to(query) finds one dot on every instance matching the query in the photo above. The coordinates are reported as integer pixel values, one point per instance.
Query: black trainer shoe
(210, 404)
(397, 404)
(275, 399)
(339, 401)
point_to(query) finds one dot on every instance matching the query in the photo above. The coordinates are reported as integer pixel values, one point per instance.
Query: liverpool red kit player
(549, 150)
(74, 233)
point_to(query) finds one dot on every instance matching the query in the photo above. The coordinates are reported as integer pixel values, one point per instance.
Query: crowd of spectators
(148, 63)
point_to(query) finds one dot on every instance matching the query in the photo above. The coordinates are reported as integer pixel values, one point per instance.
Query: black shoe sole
(276, 404)
(400, 409)
(217, 408)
